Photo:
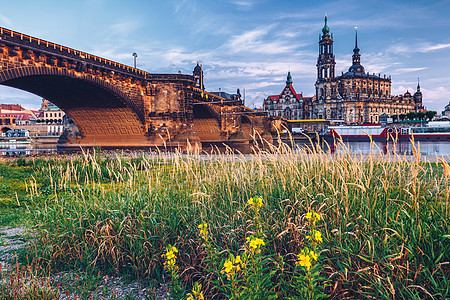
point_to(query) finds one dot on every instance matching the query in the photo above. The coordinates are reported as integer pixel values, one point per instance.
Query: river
(439, 148)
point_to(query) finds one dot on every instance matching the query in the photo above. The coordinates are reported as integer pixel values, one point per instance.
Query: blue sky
(249, 44)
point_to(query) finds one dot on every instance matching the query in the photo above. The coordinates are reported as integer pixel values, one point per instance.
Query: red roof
(277, 97)
(17, 107)
(18, 116)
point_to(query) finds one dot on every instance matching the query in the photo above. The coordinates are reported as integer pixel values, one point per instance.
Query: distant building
(50, 113)
(53, 114)
(355, 96)
(198, 76)
(11, 107)
(446, 111)
(288, 104)
(227, 96)
(15, 114)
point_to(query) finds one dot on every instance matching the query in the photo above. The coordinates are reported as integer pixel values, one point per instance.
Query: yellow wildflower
(304, 261)
(171, 262)
(255, 202)
(238, 259)
(203, 231)
(316, 236)
(254, 242)
(228, 266)
(313, 216)
(170, 256)
(196, 292)
(313, 255)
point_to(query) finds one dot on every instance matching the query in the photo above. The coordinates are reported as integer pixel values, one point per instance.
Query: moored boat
(431, 131)
(15, 137)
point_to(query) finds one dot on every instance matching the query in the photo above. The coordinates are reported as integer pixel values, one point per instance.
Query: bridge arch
(247, 125)
(22, 78)
(206, 123)
(97, 107)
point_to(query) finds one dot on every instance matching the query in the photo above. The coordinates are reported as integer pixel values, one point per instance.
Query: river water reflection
(438, 148)
(23, 149)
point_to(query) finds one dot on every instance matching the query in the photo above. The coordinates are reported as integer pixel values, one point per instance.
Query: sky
(248, 44)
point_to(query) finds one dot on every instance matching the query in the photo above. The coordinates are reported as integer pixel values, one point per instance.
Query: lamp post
(135, 56)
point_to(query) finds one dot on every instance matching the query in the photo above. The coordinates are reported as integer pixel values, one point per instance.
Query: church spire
(418, 85)
(325, 29)
(356, 50)
(289, 78)
(356, 57)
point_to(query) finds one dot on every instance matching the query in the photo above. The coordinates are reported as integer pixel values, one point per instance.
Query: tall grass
(385, 218)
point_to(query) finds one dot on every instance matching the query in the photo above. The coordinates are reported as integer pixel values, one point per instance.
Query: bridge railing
(7, 35)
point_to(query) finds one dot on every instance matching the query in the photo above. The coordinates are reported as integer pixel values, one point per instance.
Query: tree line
(428, 115)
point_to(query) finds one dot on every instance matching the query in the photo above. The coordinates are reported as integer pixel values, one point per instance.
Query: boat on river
(439, 130)
(15, 137)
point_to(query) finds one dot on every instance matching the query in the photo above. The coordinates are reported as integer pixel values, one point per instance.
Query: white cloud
(259, 41)
(423, 47)
(4, 20)
(244, 4)
(428, 48)
(437, 98)
(9, 95)
(124, 27)
(407, 70)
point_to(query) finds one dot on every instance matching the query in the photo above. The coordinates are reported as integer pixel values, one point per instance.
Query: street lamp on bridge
(135, 56)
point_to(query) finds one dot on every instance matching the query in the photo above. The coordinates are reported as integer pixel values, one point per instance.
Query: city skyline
(249, 44)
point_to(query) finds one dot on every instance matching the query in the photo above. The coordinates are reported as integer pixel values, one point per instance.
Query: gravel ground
(13, 239)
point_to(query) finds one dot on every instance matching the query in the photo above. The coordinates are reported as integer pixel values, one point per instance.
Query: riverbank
(384, 223)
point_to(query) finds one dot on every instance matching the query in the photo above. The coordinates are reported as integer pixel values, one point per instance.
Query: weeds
(384, 227)
(21, 282)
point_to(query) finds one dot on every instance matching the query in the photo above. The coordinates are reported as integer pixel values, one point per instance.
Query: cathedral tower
(418, 98)
(198, 76)
(356, 58)
(325, 65)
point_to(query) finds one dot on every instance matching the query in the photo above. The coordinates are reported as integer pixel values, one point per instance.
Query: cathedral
(355, 96)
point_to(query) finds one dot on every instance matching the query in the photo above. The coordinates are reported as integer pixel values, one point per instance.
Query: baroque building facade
(288, 104)
(355, 96)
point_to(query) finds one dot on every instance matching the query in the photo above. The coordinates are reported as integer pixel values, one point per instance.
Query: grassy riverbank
(384, 222)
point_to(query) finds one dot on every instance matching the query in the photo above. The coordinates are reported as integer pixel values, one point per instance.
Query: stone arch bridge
(118, 106)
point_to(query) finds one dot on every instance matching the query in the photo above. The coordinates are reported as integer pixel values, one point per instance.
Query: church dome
(407, 94)
(357, 68)
(325, 29)
(197, 69)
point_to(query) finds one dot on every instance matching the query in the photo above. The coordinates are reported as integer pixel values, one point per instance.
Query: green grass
(385, 222)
